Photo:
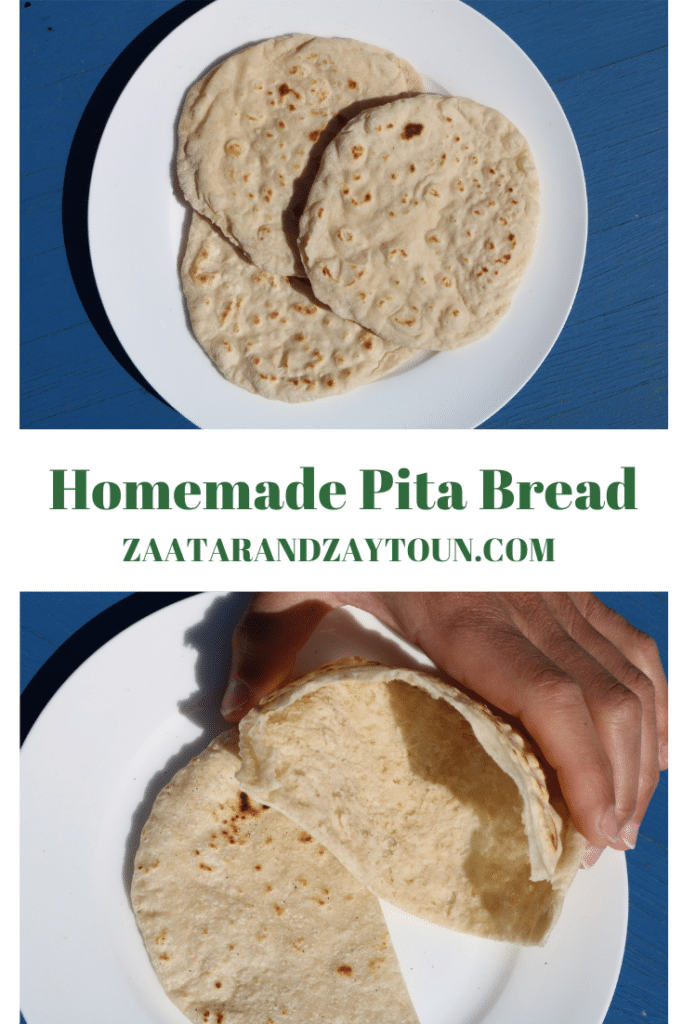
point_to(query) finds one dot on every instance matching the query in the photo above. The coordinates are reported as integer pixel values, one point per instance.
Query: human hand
(587, 686)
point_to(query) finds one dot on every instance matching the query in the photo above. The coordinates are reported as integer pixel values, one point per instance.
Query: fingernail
(591, 856)
(629, 834)
(609, 828)
(236, 695)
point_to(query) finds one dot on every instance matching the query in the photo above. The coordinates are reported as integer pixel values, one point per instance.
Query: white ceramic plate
(115, 733)
(136, 218)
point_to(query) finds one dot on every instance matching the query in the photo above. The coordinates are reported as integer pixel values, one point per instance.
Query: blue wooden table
(605, 60)
(59, 631)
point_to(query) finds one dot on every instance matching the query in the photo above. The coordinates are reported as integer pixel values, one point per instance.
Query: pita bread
(429, 799)
(247, 919)
(269, 334)
(422, 220)
(252, 131)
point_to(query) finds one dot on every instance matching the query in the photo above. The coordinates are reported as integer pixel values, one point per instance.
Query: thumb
(265, 644)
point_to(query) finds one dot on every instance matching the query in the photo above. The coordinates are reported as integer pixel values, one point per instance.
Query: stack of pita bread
(257, 879)
(343, 219)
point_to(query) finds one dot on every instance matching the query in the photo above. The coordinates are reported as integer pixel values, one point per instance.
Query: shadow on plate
(339, 635)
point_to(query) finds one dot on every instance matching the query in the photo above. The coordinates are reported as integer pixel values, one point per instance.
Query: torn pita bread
(429, 799)
(246, 918)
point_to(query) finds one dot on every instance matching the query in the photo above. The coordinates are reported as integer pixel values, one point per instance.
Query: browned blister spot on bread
(246, 319)
(443, 220)
(293, 105)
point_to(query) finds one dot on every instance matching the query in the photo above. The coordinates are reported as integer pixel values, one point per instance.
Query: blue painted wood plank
(642, 990)
(49, 619)
(69, 377)
(606, 31)
(608, 370)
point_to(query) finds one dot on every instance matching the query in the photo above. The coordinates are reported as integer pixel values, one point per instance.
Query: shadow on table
(78, 175)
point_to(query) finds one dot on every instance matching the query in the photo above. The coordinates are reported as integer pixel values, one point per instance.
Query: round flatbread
(252, 131)
(269, 334)
(429, 799)
(422, 220)
(246, 918)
